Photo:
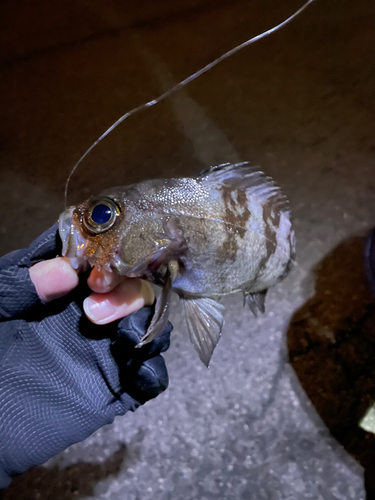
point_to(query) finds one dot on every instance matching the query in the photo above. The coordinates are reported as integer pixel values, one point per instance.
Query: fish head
(121, 231)
(92, 234)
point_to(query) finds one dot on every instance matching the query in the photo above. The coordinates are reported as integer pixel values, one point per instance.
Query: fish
(226, 230)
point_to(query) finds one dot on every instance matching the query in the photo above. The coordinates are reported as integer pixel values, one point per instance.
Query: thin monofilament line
(178, 86)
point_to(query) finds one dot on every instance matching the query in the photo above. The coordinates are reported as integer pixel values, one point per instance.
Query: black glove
(61, 376)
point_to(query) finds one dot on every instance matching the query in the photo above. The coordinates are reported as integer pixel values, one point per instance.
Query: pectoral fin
(161, 314)
(204, 321)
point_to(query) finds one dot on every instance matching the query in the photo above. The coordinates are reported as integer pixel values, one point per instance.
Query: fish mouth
(73, 242)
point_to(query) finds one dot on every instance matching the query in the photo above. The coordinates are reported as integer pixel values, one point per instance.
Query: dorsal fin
(245, 176)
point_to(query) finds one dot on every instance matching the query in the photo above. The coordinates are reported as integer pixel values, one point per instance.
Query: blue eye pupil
(101, 214)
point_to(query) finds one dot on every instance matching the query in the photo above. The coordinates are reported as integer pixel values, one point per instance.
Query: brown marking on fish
(271, 241)
(272, 212)
(232, 219)
(269, 233)
(234, 222)
(228, 250)
(231, 215)
(226, 193)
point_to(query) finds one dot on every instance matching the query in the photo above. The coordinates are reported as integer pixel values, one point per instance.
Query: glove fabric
(61, 376)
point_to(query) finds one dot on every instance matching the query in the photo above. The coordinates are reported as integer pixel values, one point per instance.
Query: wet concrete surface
(276, 415)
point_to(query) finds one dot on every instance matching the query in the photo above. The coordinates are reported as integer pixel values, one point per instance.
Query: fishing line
(178, 86)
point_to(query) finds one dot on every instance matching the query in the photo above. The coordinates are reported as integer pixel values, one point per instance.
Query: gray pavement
(276, 415)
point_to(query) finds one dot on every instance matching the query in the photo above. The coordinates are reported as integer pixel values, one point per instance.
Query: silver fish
(225, 231)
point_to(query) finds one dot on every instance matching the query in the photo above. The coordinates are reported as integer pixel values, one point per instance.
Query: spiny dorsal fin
(250, 178)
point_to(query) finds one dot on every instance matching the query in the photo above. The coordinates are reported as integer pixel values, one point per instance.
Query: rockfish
(224, 231)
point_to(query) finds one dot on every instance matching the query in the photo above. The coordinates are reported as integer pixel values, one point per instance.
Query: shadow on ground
(331, 342)
(75, 481)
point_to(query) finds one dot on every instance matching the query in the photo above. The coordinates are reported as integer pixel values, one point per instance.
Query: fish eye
(100, 215)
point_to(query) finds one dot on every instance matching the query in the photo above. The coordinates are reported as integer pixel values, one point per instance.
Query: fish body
(225, 231)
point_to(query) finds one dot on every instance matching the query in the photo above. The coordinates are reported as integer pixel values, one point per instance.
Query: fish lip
(74, 243)
(65, 228)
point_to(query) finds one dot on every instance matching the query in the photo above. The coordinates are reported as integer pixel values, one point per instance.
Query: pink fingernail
(98, 311)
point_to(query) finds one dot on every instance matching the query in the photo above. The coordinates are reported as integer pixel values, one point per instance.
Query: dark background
(276, 415)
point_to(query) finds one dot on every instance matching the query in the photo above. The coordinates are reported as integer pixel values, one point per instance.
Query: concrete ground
(276, 415)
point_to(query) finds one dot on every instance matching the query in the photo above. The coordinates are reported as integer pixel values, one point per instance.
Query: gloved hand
(61, 376)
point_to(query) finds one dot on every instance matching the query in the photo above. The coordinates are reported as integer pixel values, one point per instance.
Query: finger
(53, 278)
(129, 296)
(103, 281)
(149, 381)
